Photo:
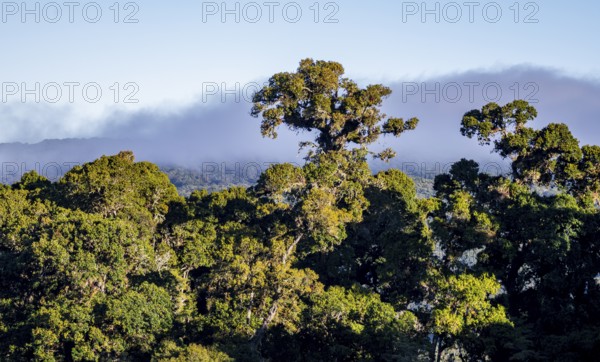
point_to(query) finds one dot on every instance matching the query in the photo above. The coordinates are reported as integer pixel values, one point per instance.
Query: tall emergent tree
(317, 97)
(310, 207)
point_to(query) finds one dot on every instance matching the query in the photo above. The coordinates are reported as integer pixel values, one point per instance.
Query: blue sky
(172, 50)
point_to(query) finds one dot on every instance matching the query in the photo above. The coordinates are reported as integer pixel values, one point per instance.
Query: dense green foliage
(321, 262)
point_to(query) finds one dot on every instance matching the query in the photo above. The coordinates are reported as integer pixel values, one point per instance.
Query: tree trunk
(433, 349)
(256, 340)
(290, 249)
(439, 350)
(249, 311)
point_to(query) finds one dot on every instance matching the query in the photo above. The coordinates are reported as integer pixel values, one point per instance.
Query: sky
(139, 70)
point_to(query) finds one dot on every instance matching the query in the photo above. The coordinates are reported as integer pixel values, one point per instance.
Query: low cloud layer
(225, 132)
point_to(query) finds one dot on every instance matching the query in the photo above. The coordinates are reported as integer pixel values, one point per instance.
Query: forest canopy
(327, 261)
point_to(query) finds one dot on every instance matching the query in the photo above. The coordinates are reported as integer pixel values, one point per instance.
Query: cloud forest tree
(318, 98)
